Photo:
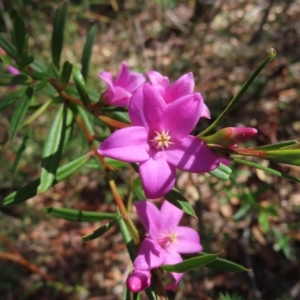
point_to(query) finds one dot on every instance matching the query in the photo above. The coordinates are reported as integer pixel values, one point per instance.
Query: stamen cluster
(162, 140)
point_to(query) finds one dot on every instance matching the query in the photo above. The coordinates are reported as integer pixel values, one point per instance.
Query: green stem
(119, 202)
(237, 97)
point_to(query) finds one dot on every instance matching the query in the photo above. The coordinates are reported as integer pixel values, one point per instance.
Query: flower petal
(181, 116)
(135, 80)
(188, 240)
(121, 97)
(172, 259)
(158, 79)
(151, 217)
(145, 107)
(107, 77)
(181, 87)
(150, 255)
(127, 144)
(12, 70)
(177, 277)
(205, 112)
(123, 75)
(171, 215)
(138, 281)
(158, 177)
(192, 155)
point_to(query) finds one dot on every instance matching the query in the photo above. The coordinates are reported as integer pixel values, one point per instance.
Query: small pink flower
(164, 243)
(159, 140)
(120, 90)
(12, 70)
(181, 87)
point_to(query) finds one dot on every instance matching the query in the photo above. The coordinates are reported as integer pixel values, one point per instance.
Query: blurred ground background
(254, 217)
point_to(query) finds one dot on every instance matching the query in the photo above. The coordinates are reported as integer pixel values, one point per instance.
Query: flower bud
(12, 70)
(138, 281)
(230, 136)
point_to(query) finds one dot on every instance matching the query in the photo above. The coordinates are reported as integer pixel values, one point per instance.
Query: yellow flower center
(162, 140)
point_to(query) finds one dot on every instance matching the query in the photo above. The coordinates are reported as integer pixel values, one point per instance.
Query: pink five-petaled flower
(181, 87)
(120, 90)
(164, 243)
(159, 140)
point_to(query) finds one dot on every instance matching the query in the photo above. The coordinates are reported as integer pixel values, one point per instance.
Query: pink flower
(159, 140)
(120, 90)
(181, 87)
(12, 70)
(164, 244)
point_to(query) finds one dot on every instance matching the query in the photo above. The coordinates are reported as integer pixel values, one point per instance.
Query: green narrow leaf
(80, 85)
(115, 163)
(58, 33)
(290, 156)
(65, 74)
(20, 154)
(270, 210)
(243, 210)
(263, 221)
(260, 167)
(224, 265)
(39, 75)
(21, 79)
(53, 149)
(68, 127)
(7, 60)
(150, 292)
(294, 147)
(100, 231)
(8, 47)
(111, 162)
(282, 242)
(87, 119)
(87, 51)
(23, 194)
(191, 263)
(126, 237)
(237, 97)
(177, 199)
(69, 169)
(20, 112)
(38, 66)
(79, 215)
(12, 97)
(5, 80)
(30, 190)
(138, 189)
(277, 146)
(222, 172)
(19, 35)
(26, 60)
(136, 296)
(126, 294)
(53, 71)
(37, 113)
(41, 85)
